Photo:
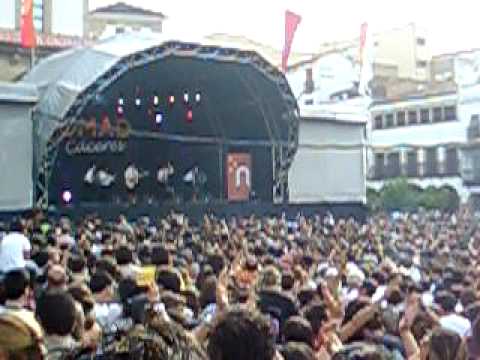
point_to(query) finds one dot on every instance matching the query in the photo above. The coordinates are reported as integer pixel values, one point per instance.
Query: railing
(419, 171)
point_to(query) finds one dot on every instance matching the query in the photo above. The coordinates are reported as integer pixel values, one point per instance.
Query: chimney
(309, 84)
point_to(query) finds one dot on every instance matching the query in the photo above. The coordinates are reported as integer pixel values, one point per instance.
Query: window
(437, 114)
(452, 163)
(421, 41)
(412, 164)
(450, 113)
(379, 166)
(38, 15)
(401, 118)
(421, 63)
(425, 116)
(389, 121)
(393, 165)
(412, 117)
(309, 85)
(378, 122)
(473, 130)
(431, 165)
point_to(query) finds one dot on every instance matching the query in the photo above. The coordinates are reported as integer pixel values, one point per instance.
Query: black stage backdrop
(240, 110)
(148, 155)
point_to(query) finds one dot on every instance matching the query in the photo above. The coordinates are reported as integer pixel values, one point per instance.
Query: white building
(418, 137)
(330, 164)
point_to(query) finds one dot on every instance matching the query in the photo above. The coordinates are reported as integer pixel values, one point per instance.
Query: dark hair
(123, 255)
(297, 351)
(99, 281)
(288, 281)
(41, 258)
(160, 256)
(240, 334)
(169, 280)
(208, 291)
(15, 283)
(446, 345)
(107, 265)
(468, 297)
(76, 263)
(298, 329)
(316, 314)
(16, 225)
(57, 313)
(446, 300)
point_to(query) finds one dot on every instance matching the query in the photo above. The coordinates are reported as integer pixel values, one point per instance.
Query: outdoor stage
(225, 115)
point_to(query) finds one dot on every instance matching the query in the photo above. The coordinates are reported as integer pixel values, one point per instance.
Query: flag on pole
(366, 60)
(292, 21)
(27, 30)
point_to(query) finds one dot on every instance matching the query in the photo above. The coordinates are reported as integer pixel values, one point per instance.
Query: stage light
(198, 97)
(171, 99)
(138, 102)
(190, 115)
(120, 110)
(120, 101)
(186, 97)
(67, 196)
(156, 100)
(158, 118)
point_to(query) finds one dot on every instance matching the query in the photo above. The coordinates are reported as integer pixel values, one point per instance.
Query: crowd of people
(401, 286)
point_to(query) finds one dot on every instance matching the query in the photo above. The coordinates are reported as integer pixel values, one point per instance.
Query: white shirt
(107, 314)
(12, 248)
(131, 177)
(456, 323)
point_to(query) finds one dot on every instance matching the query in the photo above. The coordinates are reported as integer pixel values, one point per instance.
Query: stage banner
(239, 176)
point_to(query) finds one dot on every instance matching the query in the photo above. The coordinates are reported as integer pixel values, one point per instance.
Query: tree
(399, 195)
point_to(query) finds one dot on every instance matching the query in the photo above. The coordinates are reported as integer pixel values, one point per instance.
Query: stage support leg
(221, 160)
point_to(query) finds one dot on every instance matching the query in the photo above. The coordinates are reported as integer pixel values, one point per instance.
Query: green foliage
(399, 195)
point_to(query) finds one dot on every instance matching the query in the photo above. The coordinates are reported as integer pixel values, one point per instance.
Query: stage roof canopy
(64, 79)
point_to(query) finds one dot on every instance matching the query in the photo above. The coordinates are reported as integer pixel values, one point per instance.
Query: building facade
(58, 23)
(422, 139)
(121, 17)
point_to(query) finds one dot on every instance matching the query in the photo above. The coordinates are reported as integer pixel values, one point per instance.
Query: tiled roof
(123, 8)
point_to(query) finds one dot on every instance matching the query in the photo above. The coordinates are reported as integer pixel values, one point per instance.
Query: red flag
(363, 40)
(28, 38)
(292, 21)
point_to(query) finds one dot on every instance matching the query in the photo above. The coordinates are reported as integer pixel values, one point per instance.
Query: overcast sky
(451, 25)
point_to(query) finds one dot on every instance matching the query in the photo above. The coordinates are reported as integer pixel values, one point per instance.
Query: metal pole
(32, 57)
(221, 172)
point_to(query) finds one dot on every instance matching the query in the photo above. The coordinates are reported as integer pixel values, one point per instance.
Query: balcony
(418, 171)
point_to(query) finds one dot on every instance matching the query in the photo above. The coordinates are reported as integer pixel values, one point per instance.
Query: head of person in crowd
(57, 278)
(102, 286)
(240, 334)
(17, 288)
(58, 315)
(444, 344)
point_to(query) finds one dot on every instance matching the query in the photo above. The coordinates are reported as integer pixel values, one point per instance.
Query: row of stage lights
(159, 116)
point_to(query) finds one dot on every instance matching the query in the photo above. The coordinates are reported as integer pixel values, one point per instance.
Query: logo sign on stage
(239, 176)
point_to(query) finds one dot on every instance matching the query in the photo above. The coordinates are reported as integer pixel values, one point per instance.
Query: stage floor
(223, 209)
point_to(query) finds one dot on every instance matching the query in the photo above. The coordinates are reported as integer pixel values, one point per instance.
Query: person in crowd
(403, 286)
(57, 313)
(15, 248)
(107, 310)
